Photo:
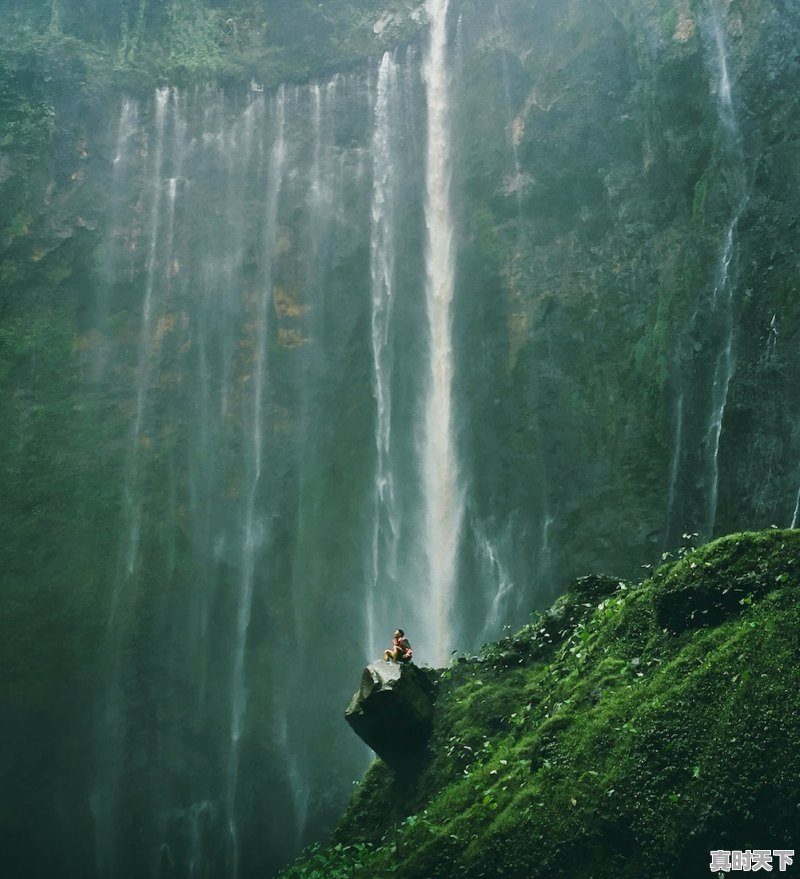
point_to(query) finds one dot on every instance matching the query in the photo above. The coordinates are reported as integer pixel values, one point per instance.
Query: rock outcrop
(392, 710)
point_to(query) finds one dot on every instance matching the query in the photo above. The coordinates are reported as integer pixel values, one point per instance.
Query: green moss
(598, 742)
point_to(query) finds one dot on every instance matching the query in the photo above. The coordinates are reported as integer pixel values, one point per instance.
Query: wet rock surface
(392, 710)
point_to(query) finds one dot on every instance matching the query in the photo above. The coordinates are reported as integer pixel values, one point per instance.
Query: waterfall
(382, 270)
(213, 329)
(111, 725)
(723, 296)
(442, 493)
(259, 210)
(253, 535)
(127, 128)
(772, 341)
(709, 347)
(675, 462)
(143, 372)
(517, 181)
(494, 572)
(723, 370)
(724, 92)
(291, 459)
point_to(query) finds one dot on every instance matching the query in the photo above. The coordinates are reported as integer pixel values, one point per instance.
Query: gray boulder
(392, 711)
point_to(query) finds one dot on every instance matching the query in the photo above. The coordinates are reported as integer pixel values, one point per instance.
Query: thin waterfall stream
(704, 364)
(724, 291)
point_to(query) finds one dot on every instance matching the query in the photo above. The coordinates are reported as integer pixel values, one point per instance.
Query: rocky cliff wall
(625, 318)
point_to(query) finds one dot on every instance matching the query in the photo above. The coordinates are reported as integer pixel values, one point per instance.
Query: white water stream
(723, 299)
(382, 273)
(105, 802)
(442, 500)
(253, 536)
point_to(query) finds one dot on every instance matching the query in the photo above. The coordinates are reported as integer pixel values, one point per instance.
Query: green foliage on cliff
(627, 731)
(142, 42)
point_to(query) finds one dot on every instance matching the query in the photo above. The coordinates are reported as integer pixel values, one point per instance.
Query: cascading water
(324, 182)
(382, 271)
(145, 365)
(495, 572)
(722, 374)
(772, 341)
(253, 529)
(213, 327)
(124, 143)
(111, 722)
(250, 233)
(723, 297)
(218, 380)
(698, 413)
(443, 502)
(675, 463)
(516, 181)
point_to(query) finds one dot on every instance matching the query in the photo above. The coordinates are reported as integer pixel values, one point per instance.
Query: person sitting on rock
(401, 650)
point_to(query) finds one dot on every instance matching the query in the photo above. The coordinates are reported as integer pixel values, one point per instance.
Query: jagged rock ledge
(392, 710)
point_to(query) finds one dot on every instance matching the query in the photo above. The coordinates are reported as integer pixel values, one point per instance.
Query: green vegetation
(142, 42)
(627, 731)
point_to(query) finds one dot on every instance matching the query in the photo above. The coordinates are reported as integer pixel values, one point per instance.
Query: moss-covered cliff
(628, 261)
(625, 180)
(139, 43)
(627, 731)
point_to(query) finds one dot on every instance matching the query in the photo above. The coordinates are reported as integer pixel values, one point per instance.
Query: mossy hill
(626, 732)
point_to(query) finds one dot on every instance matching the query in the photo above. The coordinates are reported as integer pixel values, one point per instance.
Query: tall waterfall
(252, 532)
(724, 291)
(221, 200)
(132, 490)
(246, 238)
(443, 502)
(704, 370)
(112, 710)
(382, 270)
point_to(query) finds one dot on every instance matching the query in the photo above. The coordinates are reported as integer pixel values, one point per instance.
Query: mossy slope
(627, 732)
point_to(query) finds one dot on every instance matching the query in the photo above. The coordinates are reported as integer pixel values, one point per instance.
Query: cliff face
(629, 728)
(192, 338)
(640, 270)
